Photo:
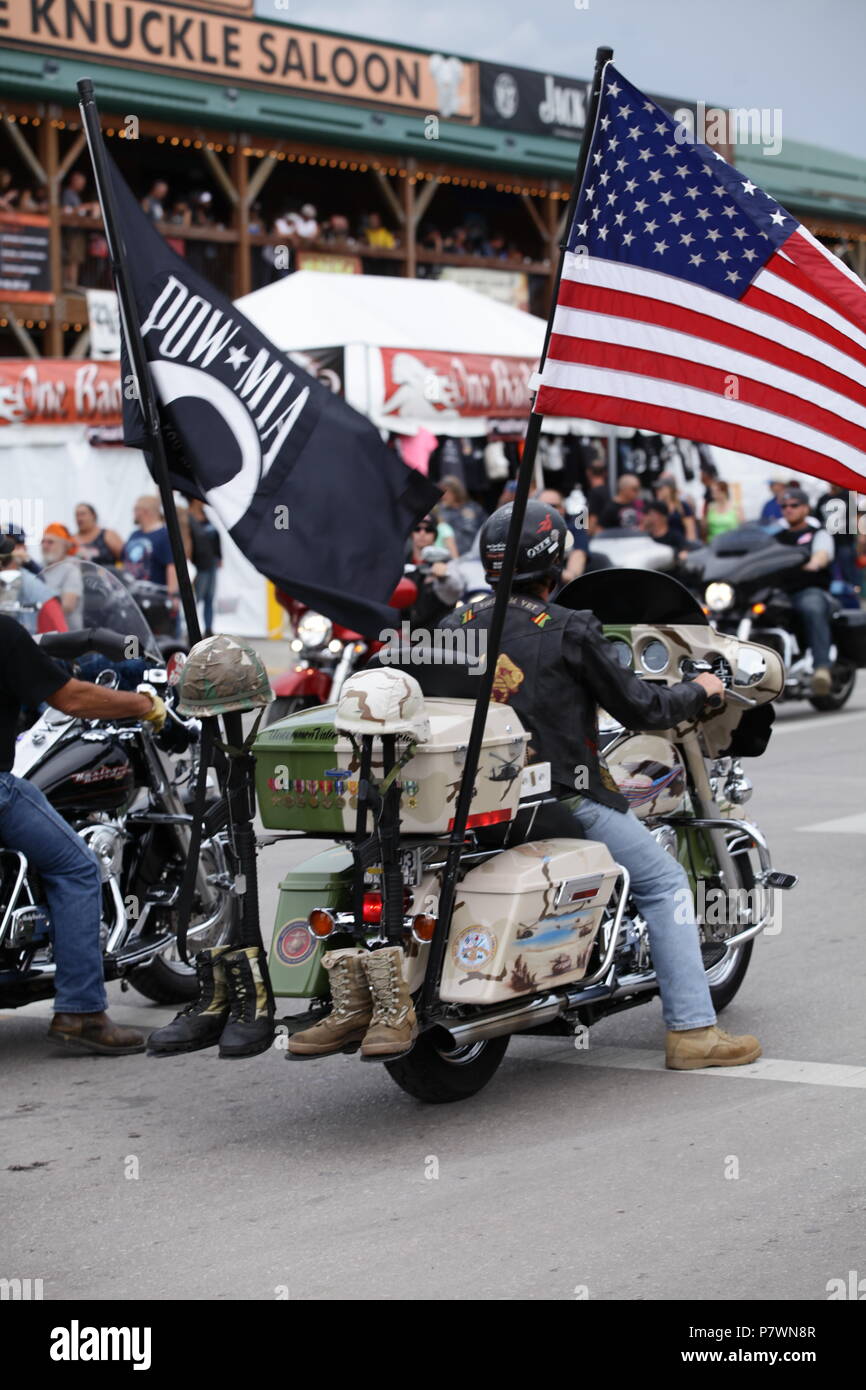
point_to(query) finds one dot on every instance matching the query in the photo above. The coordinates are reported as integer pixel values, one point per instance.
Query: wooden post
(552, 242)
(410, 222)
(49, 158)
(243, 265)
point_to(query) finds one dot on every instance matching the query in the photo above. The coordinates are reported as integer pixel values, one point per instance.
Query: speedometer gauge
(621, 650)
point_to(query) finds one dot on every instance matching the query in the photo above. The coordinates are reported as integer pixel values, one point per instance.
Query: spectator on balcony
(203, 255)
(495, 248)
(457, 244)
(154, 203)
(180, 216)
(377, 235)
(8, 194)
(336, 230)
(75, 243)
(304, 225)
(34, 200)
(430, 238)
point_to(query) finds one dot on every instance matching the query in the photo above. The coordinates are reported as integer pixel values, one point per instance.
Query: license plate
(535, 779)
(410, 869)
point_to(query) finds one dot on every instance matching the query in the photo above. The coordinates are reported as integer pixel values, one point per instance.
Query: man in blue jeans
(554, 669)
(68, 868)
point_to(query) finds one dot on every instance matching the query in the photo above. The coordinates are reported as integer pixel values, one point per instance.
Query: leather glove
(157, 714)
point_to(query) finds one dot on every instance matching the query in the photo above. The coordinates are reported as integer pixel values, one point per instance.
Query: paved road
(594, 1171)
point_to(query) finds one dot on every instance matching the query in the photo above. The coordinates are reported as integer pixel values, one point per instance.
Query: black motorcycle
(126, 790)
(741, 579)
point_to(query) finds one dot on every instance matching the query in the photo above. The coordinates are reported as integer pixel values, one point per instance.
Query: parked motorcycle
(126, 790)
(741, 578)
(545, 938)
(327, 654)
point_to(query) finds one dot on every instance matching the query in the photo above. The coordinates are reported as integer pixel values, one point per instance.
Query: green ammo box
(299, 785)
(325, 880)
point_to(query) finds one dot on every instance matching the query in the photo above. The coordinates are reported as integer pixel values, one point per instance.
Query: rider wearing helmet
(555, 669)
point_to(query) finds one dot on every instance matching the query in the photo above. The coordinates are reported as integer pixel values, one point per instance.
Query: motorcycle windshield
(632, 596)
(93, 596)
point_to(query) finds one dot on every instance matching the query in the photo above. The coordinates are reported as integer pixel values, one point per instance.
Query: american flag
(692, 304)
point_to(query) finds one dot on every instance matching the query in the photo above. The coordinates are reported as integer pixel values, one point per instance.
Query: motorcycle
(741, 577)
(161, 611)
(327, 654)
(545, 938)
(126, 790)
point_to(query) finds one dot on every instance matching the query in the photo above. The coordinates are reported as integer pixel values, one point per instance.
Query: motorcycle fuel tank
(87, 775)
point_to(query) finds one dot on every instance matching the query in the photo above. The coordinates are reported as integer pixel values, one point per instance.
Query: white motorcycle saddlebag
(526, 920)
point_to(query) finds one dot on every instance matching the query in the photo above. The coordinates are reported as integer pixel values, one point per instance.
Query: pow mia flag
(304, 484)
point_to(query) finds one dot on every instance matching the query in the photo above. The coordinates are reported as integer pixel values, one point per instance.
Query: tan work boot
(709, 1047)
(822, 680)
(394, 1027)
(352, 1009)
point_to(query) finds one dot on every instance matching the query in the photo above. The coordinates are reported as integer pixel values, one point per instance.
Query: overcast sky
(807, 57)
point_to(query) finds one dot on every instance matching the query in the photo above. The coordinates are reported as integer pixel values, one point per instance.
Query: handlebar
(692, 668)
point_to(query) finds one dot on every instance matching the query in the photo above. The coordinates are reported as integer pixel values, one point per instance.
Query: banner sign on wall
(25, 274)
(540, 103)
(59, 391)
(505, 286)
(435, 388)
(104, 316)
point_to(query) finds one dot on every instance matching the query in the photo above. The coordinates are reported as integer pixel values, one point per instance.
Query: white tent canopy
(313, 309)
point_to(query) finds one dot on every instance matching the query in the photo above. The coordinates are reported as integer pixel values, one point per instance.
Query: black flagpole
(503, 590)
(238, 790)
(155, 453)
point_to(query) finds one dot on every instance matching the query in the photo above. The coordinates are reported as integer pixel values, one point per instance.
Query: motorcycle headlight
(315, 630)
(718, 597)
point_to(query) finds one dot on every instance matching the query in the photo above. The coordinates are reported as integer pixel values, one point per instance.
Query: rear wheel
(844, 679)
(433, 1075)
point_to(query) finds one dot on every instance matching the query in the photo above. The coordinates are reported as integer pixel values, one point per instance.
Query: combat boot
(393, 1027)
(352, 1008)
(709, 1047)
(250, 1027)
(200, 1024)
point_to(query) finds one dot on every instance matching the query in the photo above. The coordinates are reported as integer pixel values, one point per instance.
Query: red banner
(57, 391)
(435, 386)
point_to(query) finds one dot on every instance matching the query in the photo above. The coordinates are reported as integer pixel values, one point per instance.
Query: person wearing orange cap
(61, 573)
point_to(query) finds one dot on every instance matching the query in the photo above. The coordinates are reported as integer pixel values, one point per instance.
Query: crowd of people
(295, 227)
(145, 556)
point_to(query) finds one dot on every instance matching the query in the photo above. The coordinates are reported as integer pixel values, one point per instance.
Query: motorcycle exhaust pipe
(511, 1020)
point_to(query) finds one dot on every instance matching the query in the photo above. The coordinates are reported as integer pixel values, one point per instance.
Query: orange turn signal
(759, 608)
(321, 922)
(423, 926)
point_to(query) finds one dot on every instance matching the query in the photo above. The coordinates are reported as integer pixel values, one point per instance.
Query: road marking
(788, 726)
(765, 1069)
(845, 825)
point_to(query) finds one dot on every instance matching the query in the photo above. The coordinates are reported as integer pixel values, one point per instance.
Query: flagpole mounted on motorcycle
(525, 477)
(236, 772)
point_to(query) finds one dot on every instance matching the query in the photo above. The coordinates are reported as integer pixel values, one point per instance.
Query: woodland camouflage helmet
(221, 675)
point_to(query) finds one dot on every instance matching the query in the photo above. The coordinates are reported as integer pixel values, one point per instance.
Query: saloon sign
(225, 42)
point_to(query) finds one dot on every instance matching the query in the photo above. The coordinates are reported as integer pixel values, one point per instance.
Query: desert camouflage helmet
(221, 675)
(382, 702)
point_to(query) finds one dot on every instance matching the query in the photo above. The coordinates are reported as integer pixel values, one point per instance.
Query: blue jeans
(205, 591)
(70, 873)
(813, 607)
(661, 891)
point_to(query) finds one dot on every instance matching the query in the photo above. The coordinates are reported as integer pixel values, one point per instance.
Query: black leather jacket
(555, 668)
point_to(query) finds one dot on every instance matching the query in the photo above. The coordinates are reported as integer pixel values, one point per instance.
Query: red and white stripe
(780, 373)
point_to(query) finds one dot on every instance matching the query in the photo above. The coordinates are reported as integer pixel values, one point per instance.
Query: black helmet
(541, 547)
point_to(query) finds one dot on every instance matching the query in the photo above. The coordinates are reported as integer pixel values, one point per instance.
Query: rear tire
(439, 1077)
(844, 680)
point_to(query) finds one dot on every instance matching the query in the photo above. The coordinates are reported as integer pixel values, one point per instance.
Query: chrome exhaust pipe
(511, 1020)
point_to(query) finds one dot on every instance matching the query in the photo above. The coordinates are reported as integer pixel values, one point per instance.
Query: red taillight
(485, 818)
(372, 909)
